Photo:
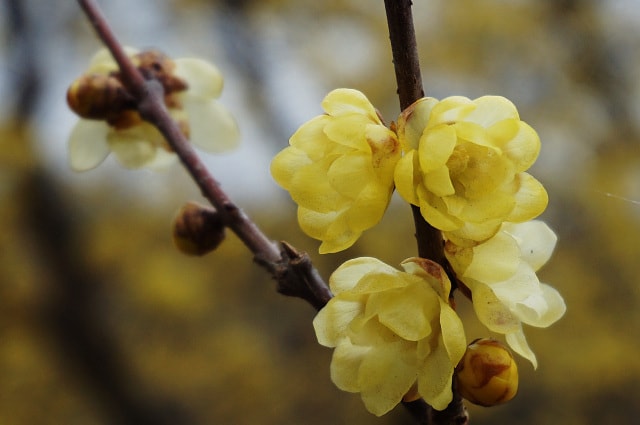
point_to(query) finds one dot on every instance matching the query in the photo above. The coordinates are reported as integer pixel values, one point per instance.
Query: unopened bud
(487, 374)
(197, 229)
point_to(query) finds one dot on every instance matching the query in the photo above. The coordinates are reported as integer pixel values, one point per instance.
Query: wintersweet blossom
(501, 274)
(110, 123)
(392, 331)
(464, 163)
(339, 170)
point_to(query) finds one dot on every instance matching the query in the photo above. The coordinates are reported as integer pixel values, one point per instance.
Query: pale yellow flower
(339, 170)
(501, 274)
(391, 329)
(464, 165)
(110, 123)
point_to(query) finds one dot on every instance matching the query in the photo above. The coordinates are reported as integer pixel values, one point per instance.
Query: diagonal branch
(267, 253)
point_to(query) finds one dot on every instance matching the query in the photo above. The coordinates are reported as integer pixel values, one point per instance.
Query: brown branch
(430, 243)
(408, 77)
(150, 102)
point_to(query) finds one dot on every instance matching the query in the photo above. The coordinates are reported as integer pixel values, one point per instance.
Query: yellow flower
(110, 123)
(339, 170)
(391, 330)
(501, 274)
(464, 165)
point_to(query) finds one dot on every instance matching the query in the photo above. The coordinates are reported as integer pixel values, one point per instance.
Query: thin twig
(150, 102)
(430, 243)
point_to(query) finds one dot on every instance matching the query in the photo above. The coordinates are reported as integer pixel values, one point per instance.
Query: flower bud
(487, 374)
(197, 229)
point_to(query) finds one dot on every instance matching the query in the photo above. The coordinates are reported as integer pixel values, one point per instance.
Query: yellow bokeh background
(102, 321)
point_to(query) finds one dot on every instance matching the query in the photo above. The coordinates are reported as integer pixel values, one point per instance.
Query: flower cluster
(339, 170)
(463, 163)
(110, 122)
(392, 330)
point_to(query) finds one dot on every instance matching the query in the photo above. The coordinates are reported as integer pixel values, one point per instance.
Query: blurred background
(102, 321)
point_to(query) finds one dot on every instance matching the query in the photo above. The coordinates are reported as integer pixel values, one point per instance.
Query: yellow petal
(555, 306)
(384, 378)
(407, 312)
(369, 207)
(491, 311)
(435, 211)
(351, 174)
(137, 146)
(349, 274)
(286, 163)
(203, 78)
(435, 377)
(536, 241)
(348, 131)
(406, 178)
(103, 63)
(519, 142)
(453, 335)
(413, 121)
(211, 125)
(330, 227)
(345, 365)
(88, 145)
(348, 101)
(518, 343)
(494, 260)
(439, 182)
(310, 137)
(310, 188)
(491, 110)
(531, 199)
(450, 110)
(332, 321)
(436, 146)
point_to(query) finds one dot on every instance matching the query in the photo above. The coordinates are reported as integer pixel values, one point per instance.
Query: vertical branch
(430, 243)
(408, 77)
(405, 51)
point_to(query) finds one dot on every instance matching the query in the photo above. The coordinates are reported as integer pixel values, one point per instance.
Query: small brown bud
(487, 374)
(197, 229)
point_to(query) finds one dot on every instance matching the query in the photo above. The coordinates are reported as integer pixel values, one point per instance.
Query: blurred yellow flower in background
(110, 123)
(392, 330)
(464, 165)
(501, 274)
(339, 170)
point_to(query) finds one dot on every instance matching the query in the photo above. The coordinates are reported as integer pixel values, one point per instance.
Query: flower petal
(413, 121)
(518, 343)
(88, 145)
(384, 378)
(348, 101)
(530, 199)
(406, 312)
(345, 365)
(491, 311)
(494, 260)
(435, 377)
(332, 321)
(211, 126)
(491, 110)
(203, 78)
(535, 239)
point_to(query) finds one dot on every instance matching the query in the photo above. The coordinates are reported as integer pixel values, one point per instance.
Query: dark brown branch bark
(430, 243)
(149, 97)
(408, 77)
